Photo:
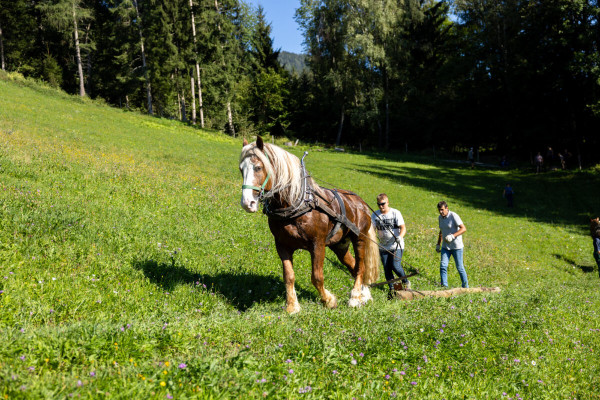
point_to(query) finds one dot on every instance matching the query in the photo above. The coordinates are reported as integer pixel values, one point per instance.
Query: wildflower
(288, 361)
(334, 372)
(413, 383)
(387, 377)
(291, 371)
(92, 374)
(79, 384)
(353, 362)
(182, 366)
(533, 363)
(402, 373)
(163, 383)
(169, 396)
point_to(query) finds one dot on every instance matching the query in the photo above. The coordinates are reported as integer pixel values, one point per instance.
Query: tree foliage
(514, 76)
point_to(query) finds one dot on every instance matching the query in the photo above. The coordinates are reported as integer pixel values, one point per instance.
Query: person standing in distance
(389, 224)
(450, 243)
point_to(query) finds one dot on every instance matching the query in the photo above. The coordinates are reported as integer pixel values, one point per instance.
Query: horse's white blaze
(249, 200)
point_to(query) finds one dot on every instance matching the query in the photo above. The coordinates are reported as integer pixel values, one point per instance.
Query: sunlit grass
(128, 270)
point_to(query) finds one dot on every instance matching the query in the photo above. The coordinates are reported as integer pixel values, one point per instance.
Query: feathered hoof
(365, 294)
(355, 298)
(293, 308)
(358, 299)
(330, 301)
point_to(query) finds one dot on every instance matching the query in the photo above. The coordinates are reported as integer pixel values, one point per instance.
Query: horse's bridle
(261, 188)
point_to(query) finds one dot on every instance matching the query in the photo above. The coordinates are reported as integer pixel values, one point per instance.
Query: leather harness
(306, 204)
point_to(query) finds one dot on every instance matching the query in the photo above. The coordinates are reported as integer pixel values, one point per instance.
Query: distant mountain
(295, 63)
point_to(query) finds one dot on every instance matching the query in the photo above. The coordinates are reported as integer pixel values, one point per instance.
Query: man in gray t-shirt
(450, 243)
(389, 224)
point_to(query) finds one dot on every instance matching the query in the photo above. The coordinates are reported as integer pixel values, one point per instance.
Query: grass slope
(128, 270)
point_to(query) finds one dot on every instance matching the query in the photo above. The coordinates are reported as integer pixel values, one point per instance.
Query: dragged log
(419, 294)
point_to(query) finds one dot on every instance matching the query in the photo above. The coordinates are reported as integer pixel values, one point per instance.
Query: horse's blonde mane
(284, 168)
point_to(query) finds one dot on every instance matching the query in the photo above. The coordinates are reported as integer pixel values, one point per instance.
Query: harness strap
(339, 218)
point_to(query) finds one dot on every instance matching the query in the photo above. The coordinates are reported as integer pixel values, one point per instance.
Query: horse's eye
(257, 168)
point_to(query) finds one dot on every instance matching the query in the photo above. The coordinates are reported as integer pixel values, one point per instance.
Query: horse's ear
(245, 142)
(260, 144)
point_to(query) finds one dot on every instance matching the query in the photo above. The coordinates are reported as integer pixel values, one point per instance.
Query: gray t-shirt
(384, 223)
(449, 225)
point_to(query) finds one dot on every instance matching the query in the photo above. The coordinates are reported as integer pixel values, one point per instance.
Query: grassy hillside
(128, 270)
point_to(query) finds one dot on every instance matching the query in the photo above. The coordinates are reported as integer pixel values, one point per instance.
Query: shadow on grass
(559, 197)
(584, 268)
(240, 290)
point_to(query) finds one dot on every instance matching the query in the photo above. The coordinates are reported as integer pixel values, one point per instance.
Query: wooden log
(419, 294)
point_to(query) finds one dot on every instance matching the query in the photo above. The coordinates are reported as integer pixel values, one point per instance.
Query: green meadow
(128, 270)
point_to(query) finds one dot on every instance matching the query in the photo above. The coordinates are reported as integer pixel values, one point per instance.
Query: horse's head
(256, 174)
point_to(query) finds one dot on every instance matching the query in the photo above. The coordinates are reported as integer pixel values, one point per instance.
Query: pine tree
(67, 16)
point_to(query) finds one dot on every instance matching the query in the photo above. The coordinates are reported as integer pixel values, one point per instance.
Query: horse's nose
(249, 205)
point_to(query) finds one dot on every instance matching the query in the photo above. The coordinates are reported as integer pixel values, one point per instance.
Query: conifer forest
(509, 76)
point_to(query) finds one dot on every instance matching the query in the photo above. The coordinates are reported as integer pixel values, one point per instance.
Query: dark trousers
(509, 199)
(392, 263)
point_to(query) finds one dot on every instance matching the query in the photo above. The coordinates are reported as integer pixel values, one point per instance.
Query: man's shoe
(406, 285)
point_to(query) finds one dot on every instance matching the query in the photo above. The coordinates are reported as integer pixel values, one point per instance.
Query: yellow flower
(165, 372)
(167, 363)
(163, 383)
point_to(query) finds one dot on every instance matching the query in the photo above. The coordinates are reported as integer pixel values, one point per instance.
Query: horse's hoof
(293, 308)
(331, 302)
(354, 303)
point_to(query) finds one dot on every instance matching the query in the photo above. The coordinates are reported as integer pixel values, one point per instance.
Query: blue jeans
(392, 263)
(597, 258)
(458, 260)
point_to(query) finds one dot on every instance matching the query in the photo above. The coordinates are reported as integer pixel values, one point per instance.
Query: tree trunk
(192, 87)
(2, 50)
(78, 53)
(230, 119)
(387, 109)
(148, 88)
(200, 108)
(200, 105)
(338, 139)
(88, 66)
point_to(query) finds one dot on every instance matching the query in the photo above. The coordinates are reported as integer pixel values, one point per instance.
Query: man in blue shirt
(450, 243)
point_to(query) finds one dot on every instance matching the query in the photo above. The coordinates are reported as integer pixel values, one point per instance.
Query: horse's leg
(291, 300)
(360, 293)
(317, 255)
(342, 251)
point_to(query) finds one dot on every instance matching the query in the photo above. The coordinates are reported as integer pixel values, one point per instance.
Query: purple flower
(182, 366)
(92, 374)
(288, 361)
(353, 362)
(291, 371)
(169, 396)
(334, 372)
(413, 383)
(387, 377)
(79, 384)
(402, 373)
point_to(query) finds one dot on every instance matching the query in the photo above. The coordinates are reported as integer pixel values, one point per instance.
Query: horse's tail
(371, 273)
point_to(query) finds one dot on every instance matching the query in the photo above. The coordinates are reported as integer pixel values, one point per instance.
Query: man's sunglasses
(381, 204)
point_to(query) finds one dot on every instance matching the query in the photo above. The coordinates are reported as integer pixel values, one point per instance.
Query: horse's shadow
(584, 268)
(241, 290)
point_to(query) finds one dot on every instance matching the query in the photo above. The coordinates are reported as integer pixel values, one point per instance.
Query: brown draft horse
(275, 176)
